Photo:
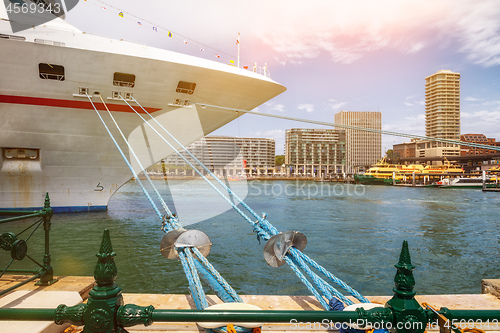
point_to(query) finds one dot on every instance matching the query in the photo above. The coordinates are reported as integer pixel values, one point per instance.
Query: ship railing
(263, 71)
(18, 248)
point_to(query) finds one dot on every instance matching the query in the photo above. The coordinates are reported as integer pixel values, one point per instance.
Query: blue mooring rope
(265, 229)
(189, 264)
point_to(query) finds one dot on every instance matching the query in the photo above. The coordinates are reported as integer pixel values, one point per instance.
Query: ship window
(185, 87)
(4, 36)
(51, 72)
(124, 80)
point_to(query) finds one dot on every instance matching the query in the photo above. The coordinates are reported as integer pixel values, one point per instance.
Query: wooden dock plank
(265, 302)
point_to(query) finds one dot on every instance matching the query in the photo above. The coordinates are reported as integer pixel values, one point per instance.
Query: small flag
(169, 34)
(231, 61)
(245, 67)
(238, 39)
(218, 56)
(120, 14)
(185, 42)
(139, 23)
(155, 29)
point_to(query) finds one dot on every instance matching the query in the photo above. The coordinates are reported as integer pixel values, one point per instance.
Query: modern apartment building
(318, 152)
(362, 148)
(225, 155)
(442, 114)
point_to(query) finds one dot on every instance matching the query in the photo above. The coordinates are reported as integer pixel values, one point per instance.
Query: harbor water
(355, 231)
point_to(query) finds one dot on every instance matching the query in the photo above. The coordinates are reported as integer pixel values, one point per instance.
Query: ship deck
(74, 289)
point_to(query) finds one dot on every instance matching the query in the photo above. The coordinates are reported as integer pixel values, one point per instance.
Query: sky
(357, 55)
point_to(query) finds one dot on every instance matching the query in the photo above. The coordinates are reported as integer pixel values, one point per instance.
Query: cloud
(413, 101)
(408, 125)
(479, 29)
(484, 122)
(348, 30)
(271, 107)
(471, 99)
(335, 105)
(306, 107)
(277, 134)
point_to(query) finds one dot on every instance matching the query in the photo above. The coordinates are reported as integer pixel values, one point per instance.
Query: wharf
(491, 189)
(30, 295)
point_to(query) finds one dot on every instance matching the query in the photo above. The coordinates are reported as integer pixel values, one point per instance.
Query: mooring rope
(266, 228)
(187, 261)
(366, 129)
(125, 159)
(173, 223)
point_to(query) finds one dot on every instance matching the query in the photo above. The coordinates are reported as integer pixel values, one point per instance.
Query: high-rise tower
(442, 105)
(362, 148)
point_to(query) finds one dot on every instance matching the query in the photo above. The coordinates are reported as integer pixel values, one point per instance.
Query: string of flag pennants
(168, 33)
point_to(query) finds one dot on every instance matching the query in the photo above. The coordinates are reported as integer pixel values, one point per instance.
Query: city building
(362, 148)
(318, 152)
(477, 138)
(442, 114)
(225, 155)
(405, 150)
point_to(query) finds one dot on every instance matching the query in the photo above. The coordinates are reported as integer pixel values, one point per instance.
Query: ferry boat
(51, 139)
(464, 182)
(384, 173)
(380, 173)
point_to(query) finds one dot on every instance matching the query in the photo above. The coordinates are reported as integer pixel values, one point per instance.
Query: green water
(354, 231)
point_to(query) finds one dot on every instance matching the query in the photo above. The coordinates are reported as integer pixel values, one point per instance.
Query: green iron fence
(18, 248)
(105, 311)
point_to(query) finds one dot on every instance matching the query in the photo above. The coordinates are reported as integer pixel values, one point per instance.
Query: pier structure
(108, 310)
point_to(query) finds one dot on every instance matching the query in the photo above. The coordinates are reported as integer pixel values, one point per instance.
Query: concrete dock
(71, 290)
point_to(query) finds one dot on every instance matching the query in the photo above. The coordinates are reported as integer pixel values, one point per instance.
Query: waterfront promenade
(71, 288)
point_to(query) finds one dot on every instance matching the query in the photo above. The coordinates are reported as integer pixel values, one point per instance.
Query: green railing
(18, 248)
(105, 312)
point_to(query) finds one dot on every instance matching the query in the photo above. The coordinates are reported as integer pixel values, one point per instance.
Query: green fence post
(99, 314)
(47, 272)
(407, 312)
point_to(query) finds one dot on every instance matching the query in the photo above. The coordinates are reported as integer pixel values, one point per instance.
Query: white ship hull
(76, 161)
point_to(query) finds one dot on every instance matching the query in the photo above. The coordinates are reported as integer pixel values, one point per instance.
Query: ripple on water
(453, 237)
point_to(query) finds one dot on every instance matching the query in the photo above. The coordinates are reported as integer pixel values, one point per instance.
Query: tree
(389, 154)
(279, 160)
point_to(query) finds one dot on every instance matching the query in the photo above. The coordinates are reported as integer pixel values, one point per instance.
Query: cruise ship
(51, 139)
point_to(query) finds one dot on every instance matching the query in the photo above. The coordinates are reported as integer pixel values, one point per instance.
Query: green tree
(279, 160)
(389, 155)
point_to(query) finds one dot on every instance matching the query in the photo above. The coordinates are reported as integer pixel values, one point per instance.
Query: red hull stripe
(72, 104)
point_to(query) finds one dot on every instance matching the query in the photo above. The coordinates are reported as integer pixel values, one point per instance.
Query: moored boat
(465, 182)
(384, 173)
(51, 139)
(380, 173)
